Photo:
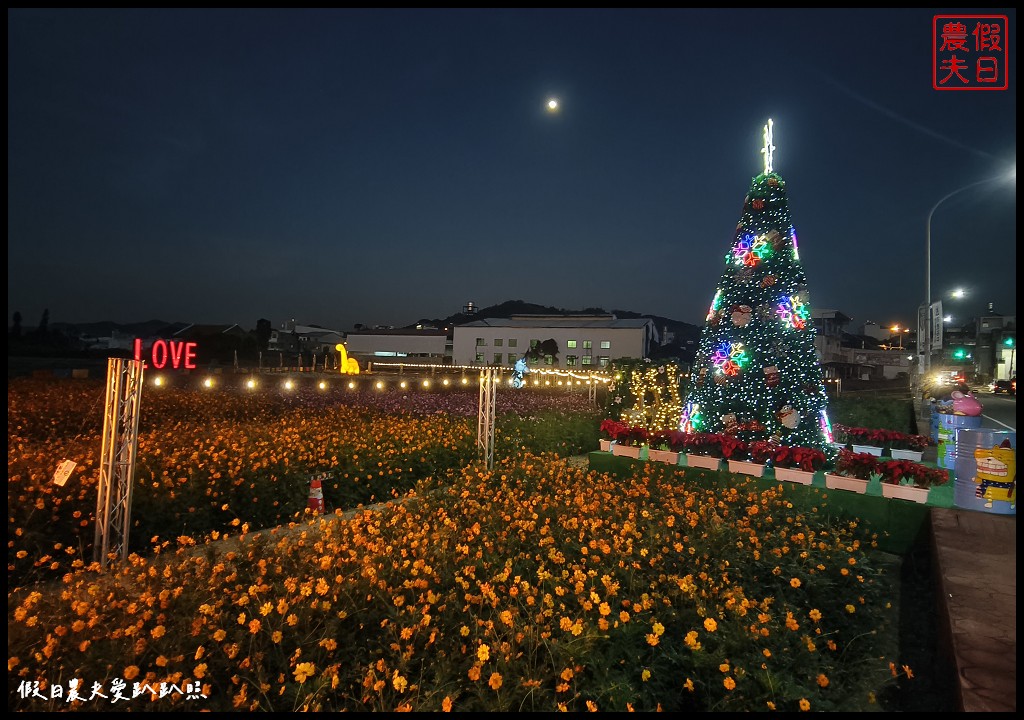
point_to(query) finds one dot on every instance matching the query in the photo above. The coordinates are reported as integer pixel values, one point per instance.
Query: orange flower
(805, 705)
(710, 625)
(474, 673)
(822, 680)
(729, 683)
(131, 672)
(495, 681)
(795, 582)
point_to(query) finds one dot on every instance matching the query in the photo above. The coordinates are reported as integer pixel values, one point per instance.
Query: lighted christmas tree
(756, 374)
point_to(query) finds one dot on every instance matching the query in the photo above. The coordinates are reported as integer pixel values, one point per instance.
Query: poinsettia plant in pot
(612, 429)
(858, 465)
(715, 445)
(907, 472)
(869, 436)
(634, 436)
(762, 451)
(906, 441)
(799, 458)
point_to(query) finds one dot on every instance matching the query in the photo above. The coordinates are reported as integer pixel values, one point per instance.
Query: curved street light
(928, 260)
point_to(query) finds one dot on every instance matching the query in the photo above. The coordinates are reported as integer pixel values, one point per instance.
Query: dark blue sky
(378, 167)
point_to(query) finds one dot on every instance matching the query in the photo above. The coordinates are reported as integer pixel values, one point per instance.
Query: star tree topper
(768, 148)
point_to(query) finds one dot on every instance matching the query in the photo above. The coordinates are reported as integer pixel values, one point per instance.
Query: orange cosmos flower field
(433, 583)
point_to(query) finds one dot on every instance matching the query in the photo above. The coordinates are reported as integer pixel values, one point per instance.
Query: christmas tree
(756, 373)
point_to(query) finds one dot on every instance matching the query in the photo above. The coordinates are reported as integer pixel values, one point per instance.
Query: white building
(428, 346)
(587, 342)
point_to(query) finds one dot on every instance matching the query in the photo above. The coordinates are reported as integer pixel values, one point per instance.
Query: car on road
(1008, 387)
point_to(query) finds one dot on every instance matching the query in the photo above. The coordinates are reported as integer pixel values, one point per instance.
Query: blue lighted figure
(520, 370)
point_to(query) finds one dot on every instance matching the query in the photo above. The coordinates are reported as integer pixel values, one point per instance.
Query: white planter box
(869, 449)
(745, 467)
(905, 492)
(703, 461)
(663, 456)
(914, 455)
(630, 451)
(794, 475)
(606, 445)
(842, 482)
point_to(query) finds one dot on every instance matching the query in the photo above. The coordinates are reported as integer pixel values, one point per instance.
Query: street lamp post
(928, 266)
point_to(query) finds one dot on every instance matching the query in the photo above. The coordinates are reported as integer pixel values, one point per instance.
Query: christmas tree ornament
(741, 315)
(730, 424)
(757, 204)
(789, 417)
(768, 281)
(771, 375)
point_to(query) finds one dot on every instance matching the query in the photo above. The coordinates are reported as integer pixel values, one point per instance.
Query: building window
(587, 344)
(549, 360)
(498, 342)
(497, 358)
(534, 344)
(606, 344)
(533, 360)
(480, 357)
(512, 358)
(570, 361)
(480, 341)
(512, 342)
(602, 361)
(587, 359)
(570, 343)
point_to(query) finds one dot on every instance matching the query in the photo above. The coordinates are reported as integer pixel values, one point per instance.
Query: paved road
(999, 412)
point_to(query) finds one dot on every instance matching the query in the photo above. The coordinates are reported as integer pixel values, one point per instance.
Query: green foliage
(873, 412)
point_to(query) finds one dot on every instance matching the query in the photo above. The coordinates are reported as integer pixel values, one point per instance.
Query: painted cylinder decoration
(985, 476)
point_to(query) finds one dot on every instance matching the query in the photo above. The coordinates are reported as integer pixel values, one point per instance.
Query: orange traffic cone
(316, 496)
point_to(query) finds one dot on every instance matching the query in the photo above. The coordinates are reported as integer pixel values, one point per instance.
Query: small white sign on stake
(63, 472)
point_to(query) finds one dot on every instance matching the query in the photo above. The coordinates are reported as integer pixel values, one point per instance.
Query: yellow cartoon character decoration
(348, 366)
(996, 474)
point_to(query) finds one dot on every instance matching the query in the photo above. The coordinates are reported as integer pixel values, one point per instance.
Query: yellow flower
(815, 615)
(710, 625)
(804, 704)
(851, 609)
(645, 675)
(658, 629)
(483, 653)
(688, 684)
(399, 682)
(303, 671)
(771, 705)
(276, 636)
(495, 681)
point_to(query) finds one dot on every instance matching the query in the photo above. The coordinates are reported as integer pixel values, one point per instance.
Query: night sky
(383, 166)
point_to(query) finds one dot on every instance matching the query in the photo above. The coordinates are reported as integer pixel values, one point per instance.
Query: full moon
(553, 105)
